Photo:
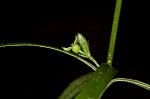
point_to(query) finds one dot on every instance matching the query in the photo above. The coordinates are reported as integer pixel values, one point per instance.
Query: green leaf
(75, 86)
(84, 44)
(98, 83)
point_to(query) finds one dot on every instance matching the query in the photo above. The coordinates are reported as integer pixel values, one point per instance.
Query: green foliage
(98, 83)
(92, 85)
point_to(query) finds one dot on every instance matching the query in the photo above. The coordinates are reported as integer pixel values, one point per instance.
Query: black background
(30, 72)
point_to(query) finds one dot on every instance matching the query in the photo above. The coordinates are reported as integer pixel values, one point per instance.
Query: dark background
(30, 72)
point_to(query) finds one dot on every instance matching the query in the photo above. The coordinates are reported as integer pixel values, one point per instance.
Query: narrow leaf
(75, 86)
(84, 44)
(98, 83)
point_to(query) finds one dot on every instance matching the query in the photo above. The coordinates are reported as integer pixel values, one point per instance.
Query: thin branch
(132, 81)
(49, 47)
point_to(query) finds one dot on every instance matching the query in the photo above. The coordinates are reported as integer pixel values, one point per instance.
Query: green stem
(114, 32)
(49, 47)
(132, 81)
(94, 61)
